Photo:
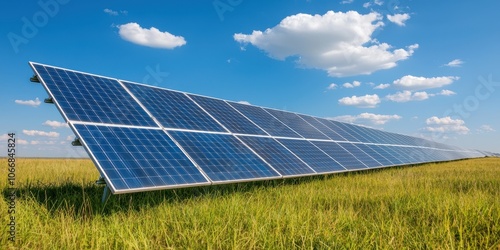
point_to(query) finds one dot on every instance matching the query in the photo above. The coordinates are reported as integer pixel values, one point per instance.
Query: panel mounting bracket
(77, 142)
(106, 193)
(34, 78)
(49, 100)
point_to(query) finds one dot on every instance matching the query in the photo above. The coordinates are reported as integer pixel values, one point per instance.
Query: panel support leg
(105, 194)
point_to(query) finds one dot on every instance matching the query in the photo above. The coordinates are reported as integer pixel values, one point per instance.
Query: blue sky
(412, 67)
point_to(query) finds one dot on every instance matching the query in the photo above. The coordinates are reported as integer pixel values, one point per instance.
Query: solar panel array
(147, 138)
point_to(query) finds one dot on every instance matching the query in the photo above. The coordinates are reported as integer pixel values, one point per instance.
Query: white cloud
(32, 103)
(40, 133)
(114, 12)
(382, 86)
(332, 86)
(55, 124)
(337, 42)
(485, 129)
(368, 117)
(352, 85)
(398, 19)
(367, 101)
(376, 2)
(406, 96)
(455, 63)
(446, 125)
(151, 37)
(347, 1)
(244, 102)
(446, 92)
(417, 83)
(69, 138)
(22, 142)
(111, 12)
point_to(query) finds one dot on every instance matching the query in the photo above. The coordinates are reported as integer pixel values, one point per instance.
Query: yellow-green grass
(452, 205)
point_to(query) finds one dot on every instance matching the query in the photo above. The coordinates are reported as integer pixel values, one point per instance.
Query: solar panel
(90, 98)
(322, 128)
(148, 138)
(298, 124)
(173, 109)
(283, 160)
(228, 116)
(223, 157)
(264, 120)
(133, 158)
(312, 155)
(365, 158)
(341, 155)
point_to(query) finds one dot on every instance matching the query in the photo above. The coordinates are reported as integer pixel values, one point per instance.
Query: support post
(106, 192)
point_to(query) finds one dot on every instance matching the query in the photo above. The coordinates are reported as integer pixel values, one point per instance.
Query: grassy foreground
(454, 205)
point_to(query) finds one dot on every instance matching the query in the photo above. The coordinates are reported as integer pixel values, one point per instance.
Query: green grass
(453, 205)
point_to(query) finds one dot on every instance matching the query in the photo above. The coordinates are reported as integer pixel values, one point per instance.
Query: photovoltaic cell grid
(88, 98)
(173, 109)
(204, 140)
(134, 158)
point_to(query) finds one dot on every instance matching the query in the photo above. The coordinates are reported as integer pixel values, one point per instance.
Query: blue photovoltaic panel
(134, 158)
(228, 116)
(351, 129)
(322, 127)
(342, 156)
(387, 153)
(333, 125)
(376, 154)
(89, 98)
(298, 125)
(275, 154)
(360, 155)
(173, 109)
(264, 120)
(223, 157)
(313, 156)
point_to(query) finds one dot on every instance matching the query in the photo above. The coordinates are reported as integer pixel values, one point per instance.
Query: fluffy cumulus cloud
(446, 125)
(351, 85)
(55, 124)
(32, 103)
(332, 86)
(410, 82)
(367, 101)
(398, 19)
(337, 42)
(365, 118)
(40, 133)
(151, 37)
(446, 92)
(382, 86)
(455, 63)
(406, 96)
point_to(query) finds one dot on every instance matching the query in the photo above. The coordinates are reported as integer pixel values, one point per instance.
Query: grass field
(453, 205)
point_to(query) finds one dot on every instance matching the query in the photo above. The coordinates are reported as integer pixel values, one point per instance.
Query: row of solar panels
(144, 138)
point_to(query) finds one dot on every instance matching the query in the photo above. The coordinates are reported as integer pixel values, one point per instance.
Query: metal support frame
(49, 100)
(77, 142)
(107, 192)
(34, 78)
